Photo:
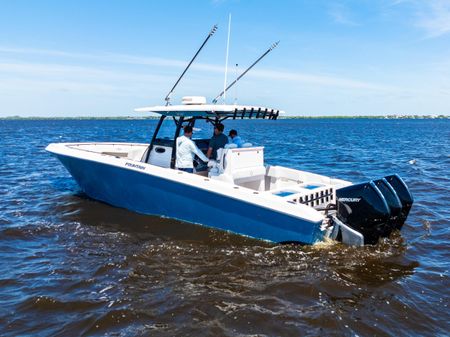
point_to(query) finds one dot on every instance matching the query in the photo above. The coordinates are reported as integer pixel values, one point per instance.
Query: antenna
(272, 47)
(235, 92)
(226, 59)
(211, 33)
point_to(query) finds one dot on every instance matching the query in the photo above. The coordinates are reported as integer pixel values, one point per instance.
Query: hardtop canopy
(214, 110)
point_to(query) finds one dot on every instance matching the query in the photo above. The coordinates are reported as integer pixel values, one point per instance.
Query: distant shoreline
(283, 117)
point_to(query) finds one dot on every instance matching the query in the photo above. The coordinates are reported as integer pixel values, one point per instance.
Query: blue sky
(105, 58)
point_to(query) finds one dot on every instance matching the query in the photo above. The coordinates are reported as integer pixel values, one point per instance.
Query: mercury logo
(349, 199)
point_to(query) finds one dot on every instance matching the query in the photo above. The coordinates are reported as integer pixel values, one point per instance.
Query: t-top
(216, 143)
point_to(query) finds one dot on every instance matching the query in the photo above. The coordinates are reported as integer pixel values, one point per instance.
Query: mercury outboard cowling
(364, 208)
(404, 195)
(394, 203)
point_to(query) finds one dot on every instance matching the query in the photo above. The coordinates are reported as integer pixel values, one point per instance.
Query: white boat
(238, 192)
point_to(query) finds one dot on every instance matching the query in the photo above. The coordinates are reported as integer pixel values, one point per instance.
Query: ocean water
(72, 266)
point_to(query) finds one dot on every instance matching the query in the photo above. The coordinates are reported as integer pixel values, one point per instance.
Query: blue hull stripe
(148, 194)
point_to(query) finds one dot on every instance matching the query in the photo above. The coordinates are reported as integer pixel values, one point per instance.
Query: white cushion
(249, 172)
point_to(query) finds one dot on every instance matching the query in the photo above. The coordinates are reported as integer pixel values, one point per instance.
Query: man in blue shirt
(218, 141)
(235, 139)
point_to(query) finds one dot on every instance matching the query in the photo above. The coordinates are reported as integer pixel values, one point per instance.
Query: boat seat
(249, 173)
(242, 166)
(230, 146)
(283, 173)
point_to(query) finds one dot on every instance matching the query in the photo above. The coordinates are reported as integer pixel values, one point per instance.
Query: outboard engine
(375, 208)
(404, 195)
(393, 202)
(363, 208)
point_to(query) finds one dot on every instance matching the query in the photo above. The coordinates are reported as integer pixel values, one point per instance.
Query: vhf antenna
(272, 47)
(211, 33)
(226, 58)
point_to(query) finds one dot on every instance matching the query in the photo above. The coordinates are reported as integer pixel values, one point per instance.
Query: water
(73, 266)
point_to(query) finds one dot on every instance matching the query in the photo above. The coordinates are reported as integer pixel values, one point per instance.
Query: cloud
(432, 16)
(435, 18)
(109, 72)
(321, 80)
(45, 70)
(103, 57)
(342, 15)
(61, 78)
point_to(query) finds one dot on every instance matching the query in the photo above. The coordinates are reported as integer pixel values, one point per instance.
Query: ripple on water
(74, 266)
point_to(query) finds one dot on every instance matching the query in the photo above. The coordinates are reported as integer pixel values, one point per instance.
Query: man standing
(186, 150)
(219, 140)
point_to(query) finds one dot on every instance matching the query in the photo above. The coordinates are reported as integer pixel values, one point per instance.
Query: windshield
(203, 129)
(167, 129)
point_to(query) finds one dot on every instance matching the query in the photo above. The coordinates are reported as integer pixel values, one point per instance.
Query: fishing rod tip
(214, 28)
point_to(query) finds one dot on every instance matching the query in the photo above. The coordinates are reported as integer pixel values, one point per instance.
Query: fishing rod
(272, 47)
(211, 33)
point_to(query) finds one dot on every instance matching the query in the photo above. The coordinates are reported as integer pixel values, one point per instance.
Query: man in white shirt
(186, 151)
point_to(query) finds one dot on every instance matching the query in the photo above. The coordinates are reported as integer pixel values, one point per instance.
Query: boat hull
(154, 195)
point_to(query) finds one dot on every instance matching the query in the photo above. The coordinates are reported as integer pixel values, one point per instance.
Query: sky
(108, 57)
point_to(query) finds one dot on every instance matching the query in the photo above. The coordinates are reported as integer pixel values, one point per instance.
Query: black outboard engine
(393, 202)
(404, 195)
(363, 208)
(375, 208)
